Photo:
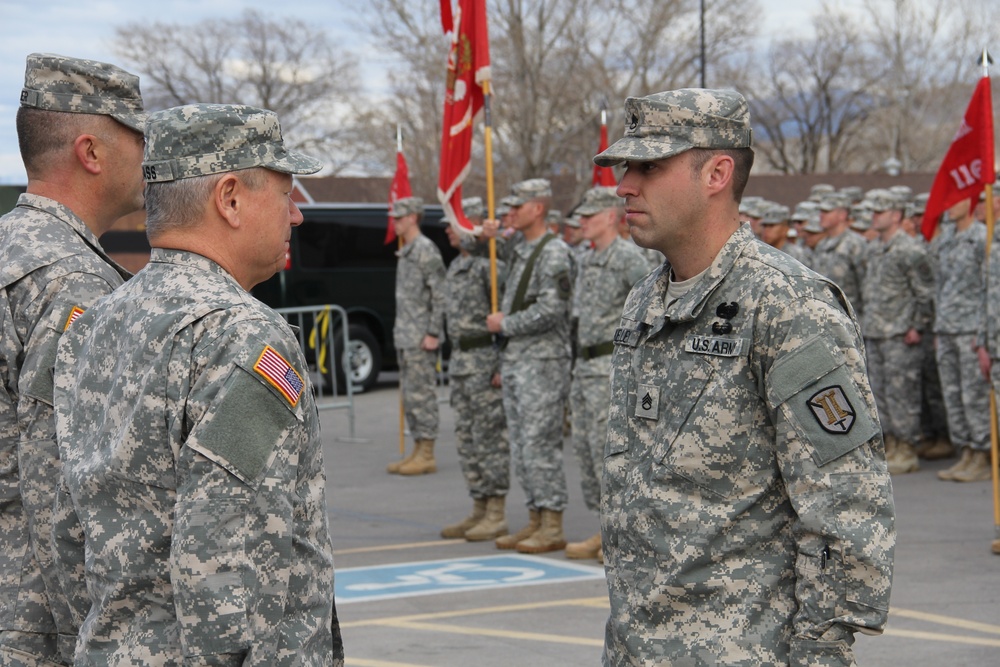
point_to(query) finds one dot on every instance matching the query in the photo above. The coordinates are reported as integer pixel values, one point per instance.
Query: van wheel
(362, 360)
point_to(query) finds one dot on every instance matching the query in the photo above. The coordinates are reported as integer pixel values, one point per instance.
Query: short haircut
(42, 134)
(742, 164)
(176, 204)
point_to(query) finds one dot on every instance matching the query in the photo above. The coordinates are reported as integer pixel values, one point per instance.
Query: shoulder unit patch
(832, 410)
(279, 374)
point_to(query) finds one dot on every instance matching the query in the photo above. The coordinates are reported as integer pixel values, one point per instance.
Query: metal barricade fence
(318, 329)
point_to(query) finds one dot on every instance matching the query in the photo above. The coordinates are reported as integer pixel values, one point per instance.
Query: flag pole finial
(986, 60)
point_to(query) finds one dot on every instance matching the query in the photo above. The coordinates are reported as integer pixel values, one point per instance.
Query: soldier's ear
(86, 149)
(227, 198)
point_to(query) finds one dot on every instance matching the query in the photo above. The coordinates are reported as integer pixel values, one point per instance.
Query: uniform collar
(63, 213)
(190, 260)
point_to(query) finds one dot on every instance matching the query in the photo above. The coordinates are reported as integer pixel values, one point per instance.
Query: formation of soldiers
(921, 306)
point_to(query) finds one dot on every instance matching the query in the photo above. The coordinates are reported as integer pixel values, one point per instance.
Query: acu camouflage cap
(665, 124)
(474, 208)
(884, 200)
(407, 206)
(598, 199)
(58, 83)
(833, 201)
(523, 192)
(202, 139)
(776, 214)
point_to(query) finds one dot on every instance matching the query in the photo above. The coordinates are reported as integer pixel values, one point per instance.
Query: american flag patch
(280, 374)
(73, 314)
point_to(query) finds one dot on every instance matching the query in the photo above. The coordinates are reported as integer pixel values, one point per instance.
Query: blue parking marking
(363, 584)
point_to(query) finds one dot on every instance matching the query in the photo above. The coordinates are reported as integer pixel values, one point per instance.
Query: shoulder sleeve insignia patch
(832, 410)
(73, 314)
(279, 374)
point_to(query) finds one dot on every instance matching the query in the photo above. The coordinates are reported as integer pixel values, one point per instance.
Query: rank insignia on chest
(647, 401)
(832, 410)
(73, 314)
(279, 374)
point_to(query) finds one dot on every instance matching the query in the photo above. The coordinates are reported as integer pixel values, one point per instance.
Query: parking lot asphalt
(407, 598)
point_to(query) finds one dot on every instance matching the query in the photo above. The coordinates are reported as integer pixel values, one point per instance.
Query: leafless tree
(285, 65)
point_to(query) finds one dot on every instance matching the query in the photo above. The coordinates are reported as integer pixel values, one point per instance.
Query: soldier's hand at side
(429, 343)
(495, 381)
(494, 321)
(985, 363)
(912, 337)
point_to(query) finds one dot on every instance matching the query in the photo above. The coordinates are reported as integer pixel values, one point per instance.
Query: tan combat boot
(491, 526)
(977, 470)
(547, 538)
(589, 548)
(995, 547)
(905, 459)
(458, 529)
(948, 473)
(510, 541)
(423, 460)
(393, 468)
(939, 449)
(890, 447)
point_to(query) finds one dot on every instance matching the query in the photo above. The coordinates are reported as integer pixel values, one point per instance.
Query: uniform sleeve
(551, 291)
(920, 277)
(830, 455)
(434, 273)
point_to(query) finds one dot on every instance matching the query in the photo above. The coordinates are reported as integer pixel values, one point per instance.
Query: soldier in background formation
(186, 421)
(79, 128)
(840, 256)
(774, 231)
(416, 333)
(607, 272)
(535, 365)
(476, 397)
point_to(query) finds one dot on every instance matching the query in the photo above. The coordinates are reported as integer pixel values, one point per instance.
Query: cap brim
(640, 149)
(292, 162)
(133, 121)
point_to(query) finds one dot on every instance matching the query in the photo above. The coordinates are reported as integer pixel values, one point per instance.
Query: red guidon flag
(968, 166)
(399, 189)
(468, 70)
(603, 176)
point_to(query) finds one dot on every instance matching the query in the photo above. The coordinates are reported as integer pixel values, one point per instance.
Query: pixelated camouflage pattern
(203, 139)
(959, 278)
(842, 260)
(406, 206)
(604, 281)
(524, 191)
(50, 263)
(739, 525)
(895, 371)
(989, 328)
(74, 85)
(965, 391)
(798, 251)
(474, 208)
(418, 383)
(466, 295)
(898, 287)
(598, 199)
(419, 293)
(881, 199)
(820, 190)
(199, 485)
(776, 214)
(833, 201)
(665, 124)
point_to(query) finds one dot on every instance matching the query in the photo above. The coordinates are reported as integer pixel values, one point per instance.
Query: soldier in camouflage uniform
(418, 326)
(80, 131)
(607, 274)
(187, 425)
(840, 256)
(747, 513)
(535, 366)
(960, 291)
(774, 228)
(897, 294)
(474, 376)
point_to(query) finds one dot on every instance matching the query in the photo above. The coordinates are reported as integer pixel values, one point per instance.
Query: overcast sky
(85, 28)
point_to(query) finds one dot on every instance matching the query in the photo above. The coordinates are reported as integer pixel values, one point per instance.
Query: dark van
(339, 256)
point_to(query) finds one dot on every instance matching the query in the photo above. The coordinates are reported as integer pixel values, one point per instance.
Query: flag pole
(490, 204)
(399, 245)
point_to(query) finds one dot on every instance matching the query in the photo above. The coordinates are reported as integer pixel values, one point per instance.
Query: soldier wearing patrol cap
(740, 407)
(840, 256)
(897, 293)
(187, 424)
(607, 272)
(80, 132)
(418, 327)
(535, 365)
(775, 226)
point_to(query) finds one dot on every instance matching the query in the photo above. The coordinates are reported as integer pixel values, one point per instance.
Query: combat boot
(948, 473)
(491, 526)
(510, 541)
(890, 446)
(995, 547)
(905, 459)
(939, 449)
(458, 529)
(423, 460)
(547, 538)
(393, 468)
(587, 549)
(977, 470)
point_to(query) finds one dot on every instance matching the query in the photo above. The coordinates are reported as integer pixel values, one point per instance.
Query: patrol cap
(524, 191)
(854, 193)
(406, 206)
(880, 200)
(58, 83)
(818, 191)
(903, 192)
(861, 213)
(834, 200)
(473, 208)
(805, 210)
(202, 139)
(665, 124)
(598, 199)
(573, 221)
(775, 215)
(812, 224)
(751, 206)
(503, 208)
(554, 217)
